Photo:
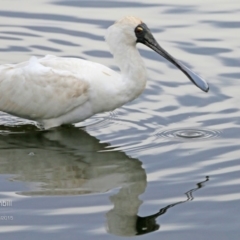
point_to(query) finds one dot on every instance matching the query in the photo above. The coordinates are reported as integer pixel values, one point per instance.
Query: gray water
(165, 166)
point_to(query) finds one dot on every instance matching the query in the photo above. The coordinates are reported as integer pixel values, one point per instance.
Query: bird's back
(48, 87)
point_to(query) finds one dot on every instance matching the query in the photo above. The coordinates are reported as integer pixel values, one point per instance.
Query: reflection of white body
(122, 219)
(70, 162)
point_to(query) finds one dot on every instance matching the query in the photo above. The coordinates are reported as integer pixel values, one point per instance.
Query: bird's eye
(139, 30)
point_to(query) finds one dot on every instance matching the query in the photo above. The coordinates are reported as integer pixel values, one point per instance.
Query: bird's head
(131, 30)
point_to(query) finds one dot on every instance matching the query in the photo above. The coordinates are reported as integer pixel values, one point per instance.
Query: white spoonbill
(54, 90)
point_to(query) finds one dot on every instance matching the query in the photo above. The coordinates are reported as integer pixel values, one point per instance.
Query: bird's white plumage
(35, 90)
(54, 90)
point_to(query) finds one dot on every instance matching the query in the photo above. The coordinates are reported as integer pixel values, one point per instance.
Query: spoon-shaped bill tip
(197, 80)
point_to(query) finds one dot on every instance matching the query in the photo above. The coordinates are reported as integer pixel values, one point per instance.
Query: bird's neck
(132, 68)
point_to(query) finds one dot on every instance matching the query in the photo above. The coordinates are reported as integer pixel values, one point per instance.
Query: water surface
(130, 172)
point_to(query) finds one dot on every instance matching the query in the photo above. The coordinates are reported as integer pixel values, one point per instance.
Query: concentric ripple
(189, 134)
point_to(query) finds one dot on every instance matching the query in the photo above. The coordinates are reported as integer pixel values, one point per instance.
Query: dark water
(165, 166)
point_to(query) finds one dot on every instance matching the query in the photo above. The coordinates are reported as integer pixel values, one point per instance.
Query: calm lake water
(129, 172)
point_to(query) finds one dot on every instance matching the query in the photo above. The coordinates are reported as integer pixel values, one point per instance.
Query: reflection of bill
(121, 221)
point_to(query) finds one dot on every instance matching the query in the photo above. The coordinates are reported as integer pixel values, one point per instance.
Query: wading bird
(54, 91)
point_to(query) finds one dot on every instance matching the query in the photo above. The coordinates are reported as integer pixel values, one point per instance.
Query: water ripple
(65, 31)
(104, 4)
(189, 134)
(54, 17)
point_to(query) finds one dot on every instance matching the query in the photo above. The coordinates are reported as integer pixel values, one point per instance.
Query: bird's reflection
(69, 161)
(123, 219)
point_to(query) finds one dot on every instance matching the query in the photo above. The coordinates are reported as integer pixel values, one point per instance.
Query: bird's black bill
(144, 36)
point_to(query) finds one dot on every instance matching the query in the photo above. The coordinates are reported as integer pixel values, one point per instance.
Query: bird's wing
(37, 90)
